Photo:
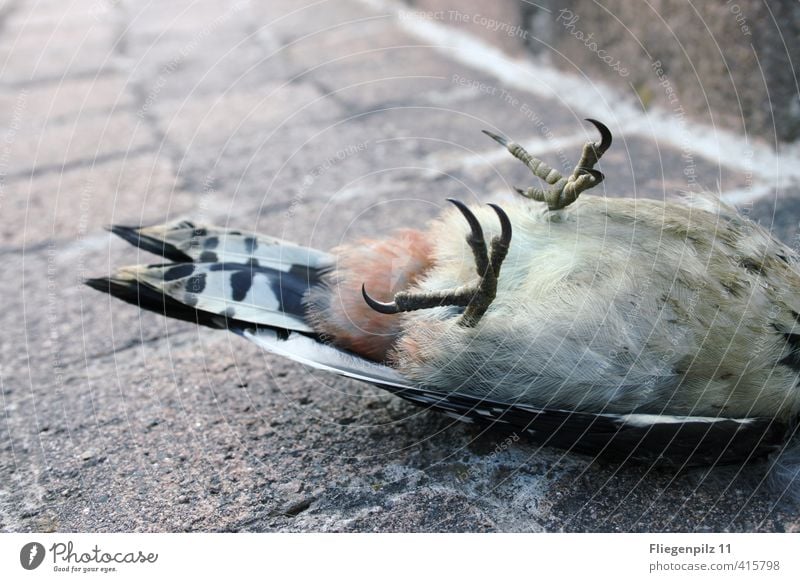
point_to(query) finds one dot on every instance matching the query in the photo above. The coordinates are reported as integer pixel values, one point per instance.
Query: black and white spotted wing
(221, 277)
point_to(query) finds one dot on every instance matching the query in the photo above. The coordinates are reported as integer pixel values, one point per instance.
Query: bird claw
(596, 174)
(564, 191)
(503, 141)
(605, 135)
(379, 306)
(477, 298)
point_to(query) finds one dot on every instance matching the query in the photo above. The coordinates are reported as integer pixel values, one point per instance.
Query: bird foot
(565, 190)
(475, 298)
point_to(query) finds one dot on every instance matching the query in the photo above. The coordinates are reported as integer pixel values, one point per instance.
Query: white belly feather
(614, 304)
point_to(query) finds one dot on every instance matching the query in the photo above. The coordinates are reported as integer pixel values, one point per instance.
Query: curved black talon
(596, 174)
(474, 225)
(380, 307)
(505, 224)
(498, 138)
(605, 135)
(475, 299)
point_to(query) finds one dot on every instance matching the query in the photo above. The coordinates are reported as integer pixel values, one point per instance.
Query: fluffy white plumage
(618, 305)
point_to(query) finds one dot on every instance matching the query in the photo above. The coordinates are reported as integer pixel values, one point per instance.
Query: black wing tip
(103, 284)
(120, 228)
(127, 233)
(133, 235)
(127, 290)
(151, 299)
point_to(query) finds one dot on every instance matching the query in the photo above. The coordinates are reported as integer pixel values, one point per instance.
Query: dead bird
(659, 331)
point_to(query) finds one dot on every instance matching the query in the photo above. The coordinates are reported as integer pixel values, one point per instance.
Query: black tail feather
(133, 235)
(146, 297)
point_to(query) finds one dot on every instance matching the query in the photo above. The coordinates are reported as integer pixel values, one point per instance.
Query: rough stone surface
(314, 124)
(732, 64)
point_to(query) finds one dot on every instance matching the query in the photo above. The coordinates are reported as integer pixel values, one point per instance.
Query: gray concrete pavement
(314, 123)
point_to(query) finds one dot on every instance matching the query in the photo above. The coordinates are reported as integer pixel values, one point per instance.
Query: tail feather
(156, 301)
(157, 246)
(184, 241)
(220, 276)
(245, 292)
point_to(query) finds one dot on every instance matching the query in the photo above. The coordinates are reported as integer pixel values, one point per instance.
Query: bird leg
(565, 190)
(476, 298)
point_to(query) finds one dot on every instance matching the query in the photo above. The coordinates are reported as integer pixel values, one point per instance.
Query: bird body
(617, 305)
(654, 330)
